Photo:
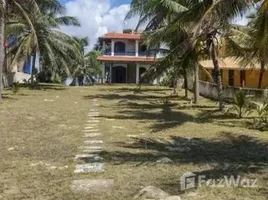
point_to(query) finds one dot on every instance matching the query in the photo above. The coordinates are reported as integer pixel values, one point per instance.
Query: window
(231, 78)
(242, 78)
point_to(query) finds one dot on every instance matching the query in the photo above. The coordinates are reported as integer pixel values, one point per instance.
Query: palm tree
(2, 30)
(88, 62)
(37, 5)
(181, 55)
(250, 43)
(259, 39)
(38, 32)
(205, 21)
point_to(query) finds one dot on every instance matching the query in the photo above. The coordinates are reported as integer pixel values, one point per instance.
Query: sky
(97, 17)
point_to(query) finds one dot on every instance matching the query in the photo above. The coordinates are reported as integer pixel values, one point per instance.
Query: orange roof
(229, 63)
(129, 36)
(126, 59)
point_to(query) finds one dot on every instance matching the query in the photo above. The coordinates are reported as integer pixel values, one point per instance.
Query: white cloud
(97, 17)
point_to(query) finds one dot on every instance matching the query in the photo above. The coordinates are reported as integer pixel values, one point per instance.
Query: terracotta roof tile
(126, 59)
(228, 63)
(133, 36)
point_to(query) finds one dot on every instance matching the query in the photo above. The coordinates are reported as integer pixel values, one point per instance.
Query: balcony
(125, 53)
(151, 53)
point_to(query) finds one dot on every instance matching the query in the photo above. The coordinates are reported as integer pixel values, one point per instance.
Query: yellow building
(233, 74)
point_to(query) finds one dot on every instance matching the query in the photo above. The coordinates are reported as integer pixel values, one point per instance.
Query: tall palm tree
(38, 5)
(205, 21)
(38, 32)
(88, 62)
(250, 43)
(2, 30)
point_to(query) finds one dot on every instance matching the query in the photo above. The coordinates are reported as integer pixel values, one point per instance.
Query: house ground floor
(248, 78)
(113, 72)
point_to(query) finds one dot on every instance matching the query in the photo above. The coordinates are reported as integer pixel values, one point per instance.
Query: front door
(119, 74)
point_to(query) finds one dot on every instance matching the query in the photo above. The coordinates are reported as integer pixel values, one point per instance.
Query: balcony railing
(124, 53)
(151, 53)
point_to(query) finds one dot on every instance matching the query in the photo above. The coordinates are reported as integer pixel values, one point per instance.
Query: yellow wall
(203, 75)
(237, 78)
(265, 80)
(252, 78)
(225, 74)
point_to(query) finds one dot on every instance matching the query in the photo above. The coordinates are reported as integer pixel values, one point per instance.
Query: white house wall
(130, 44)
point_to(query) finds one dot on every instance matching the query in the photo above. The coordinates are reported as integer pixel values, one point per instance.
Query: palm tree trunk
(261, 74)
(175, 85)
(185, 82)
(2, 35)
(196, 88)
(214, 57)
(33, 68)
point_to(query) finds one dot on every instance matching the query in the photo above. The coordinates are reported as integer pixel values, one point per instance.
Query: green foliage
(15, 87)
(261, 122)
(38, 32)
(241, 104)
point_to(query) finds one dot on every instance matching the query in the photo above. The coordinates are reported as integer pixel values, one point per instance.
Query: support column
(110, 74)
(103, 46)
(137, 48)
(126, 73)
(112, 47)
(137, 73)
(103, 73)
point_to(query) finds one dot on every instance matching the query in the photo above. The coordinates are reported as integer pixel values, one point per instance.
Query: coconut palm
(2, 30)
(249, 43)
(38, 32)
(88, 63)
(19, 8)
(205, 21)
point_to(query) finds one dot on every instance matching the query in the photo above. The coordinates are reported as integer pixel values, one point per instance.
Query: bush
(15, 87)
(261, 122)
(241, 104)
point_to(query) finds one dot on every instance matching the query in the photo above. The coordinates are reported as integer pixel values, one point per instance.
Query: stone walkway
(88, 159)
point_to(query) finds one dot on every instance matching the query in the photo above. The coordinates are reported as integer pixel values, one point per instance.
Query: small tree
(241, 104)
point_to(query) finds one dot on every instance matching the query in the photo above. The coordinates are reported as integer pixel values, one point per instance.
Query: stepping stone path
(92, 135)
(92, 167)
(91, 157)
(88, 161)
(91, 130)
(94, 142)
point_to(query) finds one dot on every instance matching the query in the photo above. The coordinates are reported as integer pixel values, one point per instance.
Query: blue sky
(98, 17)
(114, 3)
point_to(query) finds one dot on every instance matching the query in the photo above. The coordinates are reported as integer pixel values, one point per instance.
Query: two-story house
(125, 58)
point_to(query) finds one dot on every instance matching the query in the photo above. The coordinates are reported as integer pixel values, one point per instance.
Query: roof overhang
(122, 36)
(126, 59)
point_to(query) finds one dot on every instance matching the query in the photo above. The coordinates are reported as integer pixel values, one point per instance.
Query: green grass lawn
(41, 132)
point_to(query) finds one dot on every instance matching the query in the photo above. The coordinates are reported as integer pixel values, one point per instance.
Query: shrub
(261, 122)
(241, 104)
(15, 87)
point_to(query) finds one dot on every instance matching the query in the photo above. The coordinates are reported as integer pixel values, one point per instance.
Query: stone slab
(90, 167)
(92, 150)
(89, 127)
(88, 157)
(91, 135)
(93, 142)
(91, 186)
(92, 147)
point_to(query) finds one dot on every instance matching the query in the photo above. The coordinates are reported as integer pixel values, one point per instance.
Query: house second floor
(126, 44)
